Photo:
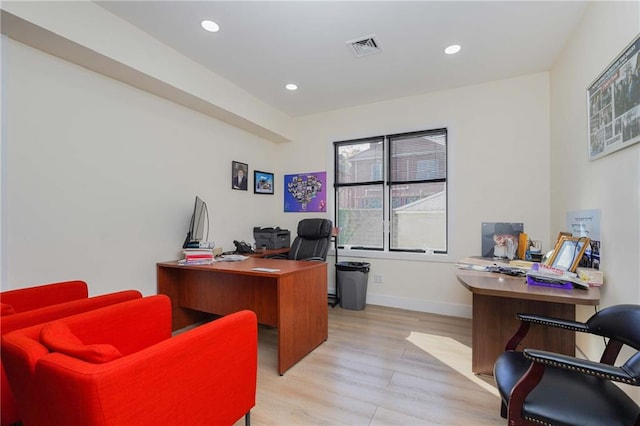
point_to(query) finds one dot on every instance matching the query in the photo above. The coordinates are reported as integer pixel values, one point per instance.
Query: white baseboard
(449, 309)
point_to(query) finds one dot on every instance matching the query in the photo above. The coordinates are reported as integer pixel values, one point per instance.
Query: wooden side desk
(497, 298)
(293, 299)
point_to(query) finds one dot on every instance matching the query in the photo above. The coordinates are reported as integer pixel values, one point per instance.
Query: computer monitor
(197, 225)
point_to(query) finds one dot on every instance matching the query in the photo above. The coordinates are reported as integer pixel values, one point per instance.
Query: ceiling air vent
(364, 46)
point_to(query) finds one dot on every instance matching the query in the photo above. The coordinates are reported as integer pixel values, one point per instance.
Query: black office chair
(312, 241)
(540, 387)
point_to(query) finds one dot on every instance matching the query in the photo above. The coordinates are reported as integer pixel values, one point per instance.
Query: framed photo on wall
(239, 175)
(262, 182)
(613, 104)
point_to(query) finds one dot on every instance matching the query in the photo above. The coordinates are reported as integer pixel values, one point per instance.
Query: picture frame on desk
(262, 182)
(568, 253)
(497, 235)
(563, 234)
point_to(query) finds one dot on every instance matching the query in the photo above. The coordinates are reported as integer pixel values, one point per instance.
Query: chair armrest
(313, 259)
(527, 319)
(554, 322)
(206, 375)
(27, 299)
(541, 360)
(584, 366)
(276, 256)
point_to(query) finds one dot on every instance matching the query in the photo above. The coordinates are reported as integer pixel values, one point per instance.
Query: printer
(272, 238)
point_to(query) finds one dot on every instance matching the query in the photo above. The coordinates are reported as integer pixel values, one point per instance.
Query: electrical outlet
(377, 278)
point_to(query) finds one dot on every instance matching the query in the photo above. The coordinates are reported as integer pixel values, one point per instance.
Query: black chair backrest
(619, 322)
(312, 241)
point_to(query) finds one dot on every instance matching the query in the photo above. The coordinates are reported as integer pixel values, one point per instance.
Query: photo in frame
(500, 239)
(239, 175)
(262, 182)
(586, 223)
(568, 253)
(305, 192)
(613, 104)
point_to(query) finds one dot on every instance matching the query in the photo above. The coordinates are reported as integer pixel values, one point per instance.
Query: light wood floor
(380, 366)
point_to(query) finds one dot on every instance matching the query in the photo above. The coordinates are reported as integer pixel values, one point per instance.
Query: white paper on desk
(470, 267)
(265, 269)
(231, 258)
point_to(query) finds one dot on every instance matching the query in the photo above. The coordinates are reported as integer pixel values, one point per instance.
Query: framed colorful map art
(305, 192)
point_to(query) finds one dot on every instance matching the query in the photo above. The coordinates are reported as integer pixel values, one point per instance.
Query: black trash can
(352, 280)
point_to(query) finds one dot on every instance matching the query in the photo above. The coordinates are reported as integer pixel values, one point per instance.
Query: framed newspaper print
(613, 104)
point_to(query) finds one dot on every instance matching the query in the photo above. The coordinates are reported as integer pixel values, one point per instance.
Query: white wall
(98, 178)
(129, 54)
(101, 177)
(612, 183)
(499, 171)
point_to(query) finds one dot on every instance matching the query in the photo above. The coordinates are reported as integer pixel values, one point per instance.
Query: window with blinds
(399, 180)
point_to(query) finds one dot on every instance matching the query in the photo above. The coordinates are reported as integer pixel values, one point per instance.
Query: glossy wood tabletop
(245, 267)
(501, 285)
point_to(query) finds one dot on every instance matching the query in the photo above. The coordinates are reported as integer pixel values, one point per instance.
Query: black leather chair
(312, 241)
(539, 387)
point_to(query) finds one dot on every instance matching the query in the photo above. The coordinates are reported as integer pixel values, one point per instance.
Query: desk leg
(494, 322)
(168, 283)
(303, 318)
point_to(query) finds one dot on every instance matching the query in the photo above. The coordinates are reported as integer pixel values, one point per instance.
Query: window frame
(387, 185)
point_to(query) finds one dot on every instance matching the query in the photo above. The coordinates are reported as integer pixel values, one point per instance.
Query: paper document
(265, 269)
(230, 258)
(473, 267)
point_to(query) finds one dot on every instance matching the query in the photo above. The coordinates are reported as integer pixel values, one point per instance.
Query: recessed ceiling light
(210, 26)
(453, 49)
(291, 86)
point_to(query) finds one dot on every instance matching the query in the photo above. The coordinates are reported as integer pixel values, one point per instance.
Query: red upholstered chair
(119, 365)
(27, 299)
(35, 305)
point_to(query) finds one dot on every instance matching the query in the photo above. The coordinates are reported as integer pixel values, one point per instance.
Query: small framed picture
(568, 253)
(262, 182)
(239, 175)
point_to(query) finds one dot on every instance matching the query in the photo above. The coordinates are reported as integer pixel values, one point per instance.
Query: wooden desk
(294, 299)
(269, 252)
(497, 298)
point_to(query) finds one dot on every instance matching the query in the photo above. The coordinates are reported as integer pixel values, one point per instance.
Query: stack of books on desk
(199, 256)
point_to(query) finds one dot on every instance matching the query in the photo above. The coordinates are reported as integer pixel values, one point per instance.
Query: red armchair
(119, 365)
(27, 299)
(35, 305)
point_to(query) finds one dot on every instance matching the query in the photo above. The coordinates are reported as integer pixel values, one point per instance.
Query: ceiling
(262, 45)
